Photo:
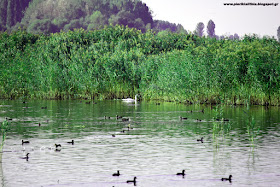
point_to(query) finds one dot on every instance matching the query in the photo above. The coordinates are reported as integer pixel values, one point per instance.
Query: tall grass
(4, 128)
(117, 62)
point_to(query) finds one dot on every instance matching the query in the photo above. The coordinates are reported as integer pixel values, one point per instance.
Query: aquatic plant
(252, 129)
(220, 127)
(4, 128)
(120, 62)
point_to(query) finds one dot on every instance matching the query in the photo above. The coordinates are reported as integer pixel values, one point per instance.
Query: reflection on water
(154, 146)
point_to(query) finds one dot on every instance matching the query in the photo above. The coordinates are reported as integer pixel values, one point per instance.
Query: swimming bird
(116, 174)
(182, 118)
(72, 142)
(107, 117)
(26, 157)
(132, 181)
(118, 117)
(39, 124)
(183, 173)
(125, 119)
(57, 145)
(113, 135)
(198, 120)
(44, 107)
(227, 179)
(24, 142)
(130, 100)
(200, 140)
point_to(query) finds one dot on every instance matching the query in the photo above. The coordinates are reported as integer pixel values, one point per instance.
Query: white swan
(129, 100)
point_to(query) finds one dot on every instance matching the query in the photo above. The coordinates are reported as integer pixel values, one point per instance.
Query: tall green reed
(117, 62)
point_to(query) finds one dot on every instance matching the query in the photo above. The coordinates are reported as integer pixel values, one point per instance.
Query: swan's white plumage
(130, 100)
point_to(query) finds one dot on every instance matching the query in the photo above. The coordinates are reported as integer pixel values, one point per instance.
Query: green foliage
(11, 12)
(41, 26)
(199, 29)
(86, 14)
(4, 128)
(119, 61)
(51, 16)
(211, 29)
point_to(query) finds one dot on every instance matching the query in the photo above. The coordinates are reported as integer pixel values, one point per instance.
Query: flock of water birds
(124, 119)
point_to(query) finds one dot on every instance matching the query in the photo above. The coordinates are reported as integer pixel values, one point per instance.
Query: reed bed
(118, 62)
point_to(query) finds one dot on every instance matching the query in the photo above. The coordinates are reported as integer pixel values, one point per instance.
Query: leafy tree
(10, 15)
(123, 18)
(3, 12)
(60, 22)
(142, 11)
(180, 29)
(76, 23)
(139, 24)
(160, 25)
(41, 26)
(12, 11)
(211, 29)
(235, 37)
(96, 21)
(199, 29)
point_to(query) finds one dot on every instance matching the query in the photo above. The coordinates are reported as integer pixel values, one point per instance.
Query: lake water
(159, 145)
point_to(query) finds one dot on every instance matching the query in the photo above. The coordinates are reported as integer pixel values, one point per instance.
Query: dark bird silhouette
(200, 140)
(132, 181)
(26, 157)
(125, 119)
(118, 117)
(24, 142)
(227, 179)
(44, 107)
(182, 118)
(57, 145)
(72, 142)
(39, 124)
(116, 174)
(183, 173)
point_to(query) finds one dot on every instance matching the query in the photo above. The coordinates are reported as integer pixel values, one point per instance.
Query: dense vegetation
(50, 16)
(117, 62)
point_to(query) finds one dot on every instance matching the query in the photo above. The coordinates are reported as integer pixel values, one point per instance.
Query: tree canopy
(211, 29)
(50, 16)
